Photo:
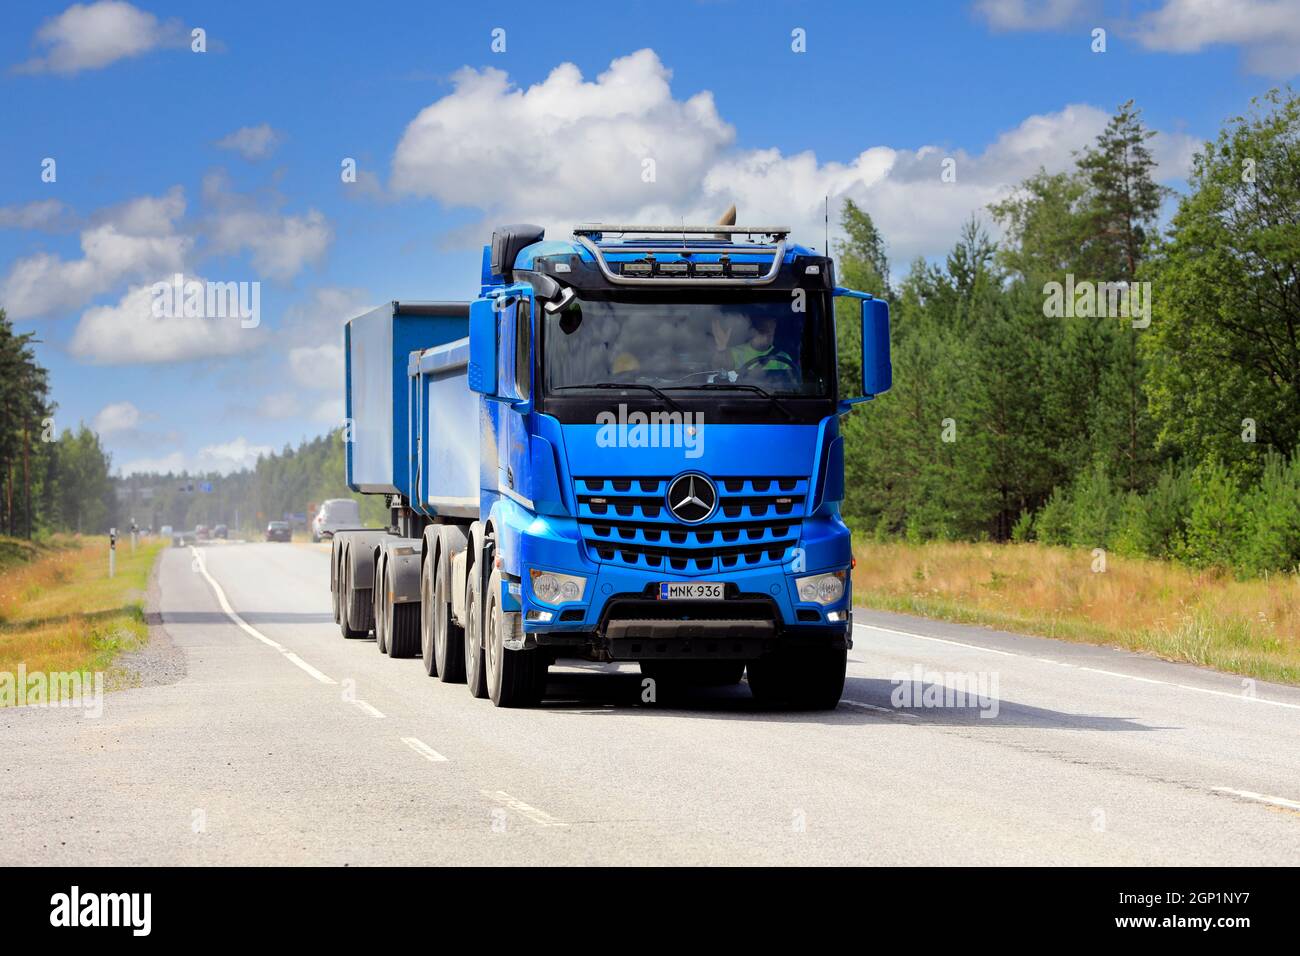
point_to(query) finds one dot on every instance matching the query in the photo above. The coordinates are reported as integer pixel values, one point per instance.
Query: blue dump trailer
(626, 449)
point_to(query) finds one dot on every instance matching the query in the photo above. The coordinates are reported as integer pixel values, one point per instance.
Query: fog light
(539, 616)
(821, 588)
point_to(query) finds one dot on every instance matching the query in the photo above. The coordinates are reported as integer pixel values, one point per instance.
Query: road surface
(282, 743)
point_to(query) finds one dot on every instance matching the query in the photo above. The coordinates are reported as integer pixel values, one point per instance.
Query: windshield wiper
(742, 386)
(667, 400)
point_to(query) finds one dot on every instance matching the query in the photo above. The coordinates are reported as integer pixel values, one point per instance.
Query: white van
(336, 514)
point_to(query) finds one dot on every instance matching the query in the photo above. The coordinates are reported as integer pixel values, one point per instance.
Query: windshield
(711, 339)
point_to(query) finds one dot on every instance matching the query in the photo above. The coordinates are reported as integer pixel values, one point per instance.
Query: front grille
(626, 521)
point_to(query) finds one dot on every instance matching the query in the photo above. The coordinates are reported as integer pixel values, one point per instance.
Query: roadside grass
(1251, 628)
(60, 612)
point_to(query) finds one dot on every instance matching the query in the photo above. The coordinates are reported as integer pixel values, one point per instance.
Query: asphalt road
(285, 744)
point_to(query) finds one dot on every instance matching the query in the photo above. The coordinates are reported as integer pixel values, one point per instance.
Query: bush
(1052, 524)
(1094, 508)
(1216, 522)
(1023, 529)
(1270, 538)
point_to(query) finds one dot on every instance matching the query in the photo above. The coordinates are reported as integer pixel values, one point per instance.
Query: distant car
(202, 533)
(278, 531)
(221, 531)
(335, 514)
(165, 531)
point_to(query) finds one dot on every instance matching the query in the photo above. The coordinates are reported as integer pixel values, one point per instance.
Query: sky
(324, 162)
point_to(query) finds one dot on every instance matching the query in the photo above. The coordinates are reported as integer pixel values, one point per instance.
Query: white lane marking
(883, 710)
(248, 628)
(540, 817)
(1095, 670)
(424, 750)
(1259, 797)
(367, 708)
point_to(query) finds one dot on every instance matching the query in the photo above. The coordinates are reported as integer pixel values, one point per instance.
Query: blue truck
(625, 449)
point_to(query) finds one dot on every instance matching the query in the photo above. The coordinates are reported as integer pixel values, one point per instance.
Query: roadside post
(112, 551)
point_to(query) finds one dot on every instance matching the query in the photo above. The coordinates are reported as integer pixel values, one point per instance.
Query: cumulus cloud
(281, 246)
(223, 458)
(451, 153)
(252, 142)
(313, 332)
(129, 333)
(454, 151)
(44, 215)
(134, 240)
(1268, 31)
(1032, 14)
(116, 418)
(94, 35)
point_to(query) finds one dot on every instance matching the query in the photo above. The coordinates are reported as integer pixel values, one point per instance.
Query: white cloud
(314, 332)
(452, 152)
(92, 36)
(130, 241)
(455, 151)
(280, 245)
(46, 215)
(1268, 31)
(252, 142)
(1031, 14)
(129, 333)
(317, 366)
(116, 418)
(223, 458)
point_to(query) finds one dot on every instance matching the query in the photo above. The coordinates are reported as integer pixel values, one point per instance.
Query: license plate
(695, 591)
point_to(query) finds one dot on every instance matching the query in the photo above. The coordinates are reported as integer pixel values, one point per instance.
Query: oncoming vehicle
(335, 514)
(221, 531)
(278, 531)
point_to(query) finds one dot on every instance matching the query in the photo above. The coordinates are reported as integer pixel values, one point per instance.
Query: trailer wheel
(475, 666)
(448, 636)
(808, 679)
(377, 607)
(427, 656)
(335, 586)
(354, 607)
(403, 629)
(514, 678)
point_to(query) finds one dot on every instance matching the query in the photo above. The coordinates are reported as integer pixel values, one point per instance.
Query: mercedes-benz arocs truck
(626, 449)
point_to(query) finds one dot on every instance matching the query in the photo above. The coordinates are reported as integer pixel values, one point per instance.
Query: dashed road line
(424, 750)
(540, 817)
(1259, 797)
(248, 629)
(366, 708)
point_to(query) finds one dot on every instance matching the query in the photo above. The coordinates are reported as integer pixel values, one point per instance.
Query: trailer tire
(355, 608)
(475, 665)
(428, 570)
(448, 636)
(377, 607)
(515, 678)
(403, 629)
(807, 679)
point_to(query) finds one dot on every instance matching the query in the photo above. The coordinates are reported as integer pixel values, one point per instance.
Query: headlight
(821, 588)
(552, 588)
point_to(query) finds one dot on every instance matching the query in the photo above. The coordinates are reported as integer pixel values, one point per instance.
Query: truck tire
(403, 637)
(354, 612)
(377, 607)
(428, 569)
(807, 679)
(514, 678)
(336, 586)
(475, 665)
(448, 636)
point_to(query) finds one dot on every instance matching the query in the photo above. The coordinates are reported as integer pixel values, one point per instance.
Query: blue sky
(225, 165)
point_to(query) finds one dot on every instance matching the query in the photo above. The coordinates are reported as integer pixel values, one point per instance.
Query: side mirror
(483, 331)
(877, 370)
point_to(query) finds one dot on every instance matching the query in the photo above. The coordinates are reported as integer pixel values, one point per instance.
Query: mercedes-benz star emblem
(692, 498)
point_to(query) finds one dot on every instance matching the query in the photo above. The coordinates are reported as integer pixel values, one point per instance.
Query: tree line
(1092, 379)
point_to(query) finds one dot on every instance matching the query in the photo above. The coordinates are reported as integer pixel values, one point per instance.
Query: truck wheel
(377, 608)
(427, 657)
(352, 609)
(514, 678)
(448, 636)
(808, 679)
(403, 622)
(335, 587)
(475, 666)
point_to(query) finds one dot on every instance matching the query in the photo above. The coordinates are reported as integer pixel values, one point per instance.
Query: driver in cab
(756, 355)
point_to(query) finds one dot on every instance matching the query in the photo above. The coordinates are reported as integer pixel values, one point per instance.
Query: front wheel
(805, 678)
(515, 678)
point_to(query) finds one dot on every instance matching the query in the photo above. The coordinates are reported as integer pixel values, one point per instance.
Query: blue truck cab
(625, 449)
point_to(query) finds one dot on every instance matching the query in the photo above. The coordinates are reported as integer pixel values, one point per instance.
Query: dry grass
(60, 612)
(1243, 627)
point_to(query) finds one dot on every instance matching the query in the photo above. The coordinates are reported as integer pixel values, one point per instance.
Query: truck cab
(632, 456)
